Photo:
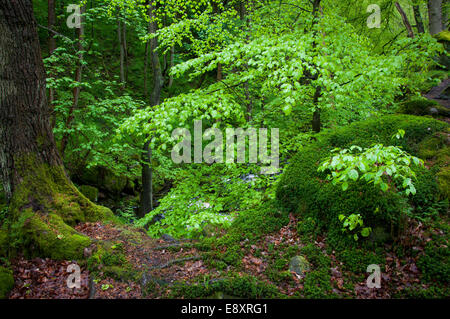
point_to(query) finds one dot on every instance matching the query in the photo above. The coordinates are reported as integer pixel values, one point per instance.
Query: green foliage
(305, 191)
(435, 262)
(379, 165)
(354, 224)
(203, 196)
(317, 283)
(422, 106)
(6, 281)
(237, 286)
(356, 260)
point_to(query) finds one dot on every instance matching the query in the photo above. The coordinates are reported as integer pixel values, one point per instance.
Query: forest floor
(164, 263)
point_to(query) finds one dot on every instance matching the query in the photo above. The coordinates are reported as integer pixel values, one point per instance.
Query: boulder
(299, 265)
(90, 192)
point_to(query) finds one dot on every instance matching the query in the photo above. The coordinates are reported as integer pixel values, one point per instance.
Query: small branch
(294, 5)
(405, 20)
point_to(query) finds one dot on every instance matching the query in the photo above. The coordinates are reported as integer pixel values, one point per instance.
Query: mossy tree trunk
(43, 202)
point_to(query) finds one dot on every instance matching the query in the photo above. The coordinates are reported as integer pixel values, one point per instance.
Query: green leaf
(365, 232)
(344, 186)
(353, 174)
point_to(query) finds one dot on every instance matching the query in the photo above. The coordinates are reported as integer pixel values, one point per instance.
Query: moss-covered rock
(443, 36)
(6, 282)
(90, 192)
(114, 184)
(422, 106)
(299, 265)
(305, 191)
(443, 177)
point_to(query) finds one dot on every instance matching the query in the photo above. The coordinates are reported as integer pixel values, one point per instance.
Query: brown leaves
(46, 279)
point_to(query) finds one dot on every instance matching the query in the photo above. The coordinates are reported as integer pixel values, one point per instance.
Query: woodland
(101, 198)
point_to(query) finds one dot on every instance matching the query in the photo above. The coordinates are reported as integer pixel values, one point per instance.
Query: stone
(90, 192)
(299, 265)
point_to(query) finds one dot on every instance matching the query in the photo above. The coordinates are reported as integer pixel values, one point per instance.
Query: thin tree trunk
(51, 21)
(435, 16)
(77, 89)
(125, 50)
(419, 21)
(146, 203)
(147, 45)
(405, 20)
(243, 14)
(172, 63)
(122, 52)
(316, 121)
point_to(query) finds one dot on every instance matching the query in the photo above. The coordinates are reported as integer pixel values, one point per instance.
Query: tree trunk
(316, 122)
(77, 89)
(419, 21)
(146, 203)
(405, 20)
(42, 200)
(125, 49)
(51, 43)
(435, 16)
(122, 52)
(172, 63)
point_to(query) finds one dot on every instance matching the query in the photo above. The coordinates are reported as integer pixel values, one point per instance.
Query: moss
(306, 192)
(317, 285)
(6, 282)
(242, 286)
(307, 229)
(356, 260)
(90, 192)
(110, 260)
(114, 184)
(48, 236)
(3, 241)
(443, 36)
(420, 292)
(431, 145)
(422, 106)
(435, 262)
(44, 206)
(444, 182)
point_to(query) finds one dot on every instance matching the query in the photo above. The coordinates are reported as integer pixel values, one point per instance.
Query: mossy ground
(6, 281)
(251, 259)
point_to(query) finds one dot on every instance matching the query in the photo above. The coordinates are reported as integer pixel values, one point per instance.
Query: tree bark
(419, 21)
(316, 122)
(435, 16)
(77, 89)
(36, 186)
(146, 202)
(122, 52)
(51, 43)
(405, 20)
(24, 109)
